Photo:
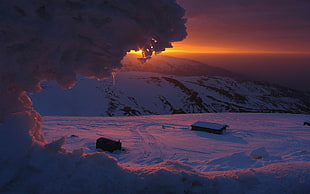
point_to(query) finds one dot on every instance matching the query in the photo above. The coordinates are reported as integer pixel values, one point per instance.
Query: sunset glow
(179, 48)
(237, 27)
(196, 49)
(138, 52)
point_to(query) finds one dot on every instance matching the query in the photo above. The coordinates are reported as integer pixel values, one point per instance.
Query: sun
(138, 52)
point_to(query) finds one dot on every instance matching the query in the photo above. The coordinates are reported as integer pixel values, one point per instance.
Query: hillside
(144, 93)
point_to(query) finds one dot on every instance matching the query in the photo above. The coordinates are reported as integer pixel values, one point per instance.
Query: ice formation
(60, 39)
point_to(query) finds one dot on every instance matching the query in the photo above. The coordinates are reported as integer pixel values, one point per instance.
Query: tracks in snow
(152, 148)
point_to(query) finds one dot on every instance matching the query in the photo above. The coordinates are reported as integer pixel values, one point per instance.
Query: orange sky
(279, 26)
(265, 40)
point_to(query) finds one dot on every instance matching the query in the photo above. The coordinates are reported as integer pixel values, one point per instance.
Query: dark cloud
(260, 12)
(289, 8)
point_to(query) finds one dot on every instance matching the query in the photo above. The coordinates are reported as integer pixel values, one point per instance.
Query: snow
(260, 153)
(149, 140)
(153, 93)
(58, 40)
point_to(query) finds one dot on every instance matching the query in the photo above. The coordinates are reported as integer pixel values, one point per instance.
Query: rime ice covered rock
(58, 40)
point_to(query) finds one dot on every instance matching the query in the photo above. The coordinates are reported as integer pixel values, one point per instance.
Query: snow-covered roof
(209, 125)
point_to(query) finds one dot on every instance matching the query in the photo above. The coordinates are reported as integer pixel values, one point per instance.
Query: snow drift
(57, 40)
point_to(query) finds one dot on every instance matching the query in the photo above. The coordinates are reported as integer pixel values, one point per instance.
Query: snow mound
(50, 172)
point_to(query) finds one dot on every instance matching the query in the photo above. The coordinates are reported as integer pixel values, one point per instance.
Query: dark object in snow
(307, 123)
(108, 144)
(209, 127)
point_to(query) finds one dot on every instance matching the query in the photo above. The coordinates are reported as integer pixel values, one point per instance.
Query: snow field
(260, 153)
(251, 141)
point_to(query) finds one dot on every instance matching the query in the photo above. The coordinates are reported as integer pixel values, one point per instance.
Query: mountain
(185, 87)
(175, 66)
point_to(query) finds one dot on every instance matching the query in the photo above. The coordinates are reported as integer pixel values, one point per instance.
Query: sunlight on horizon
(135, 51)
(192, 49)
(179, 48)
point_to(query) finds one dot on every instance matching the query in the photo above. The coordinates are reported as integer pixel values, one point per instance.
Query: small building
(307, 123)
(108, 144)
(209, 127)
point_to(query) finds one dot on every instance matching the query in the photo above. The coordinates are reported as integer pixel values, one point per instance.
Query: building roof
(209, 125)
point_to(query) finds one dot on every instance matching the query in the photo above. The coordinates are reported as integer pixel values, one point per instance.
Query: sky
(267, 40)
(242, 26)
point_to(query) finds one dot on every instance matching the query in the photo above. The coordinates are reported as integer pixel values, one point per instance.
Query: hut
(108, 144)
(209, 127)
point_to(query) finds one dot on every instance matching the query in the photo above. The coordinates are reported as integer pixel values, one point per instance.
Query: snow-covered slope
(143, 93)
(174, 66)
(260, 153)
(252, 140)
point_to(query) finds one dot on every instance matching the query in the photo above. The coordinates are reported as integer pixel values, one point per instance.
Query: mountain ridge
(169, 65)
(168, 85)
(144, 93)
